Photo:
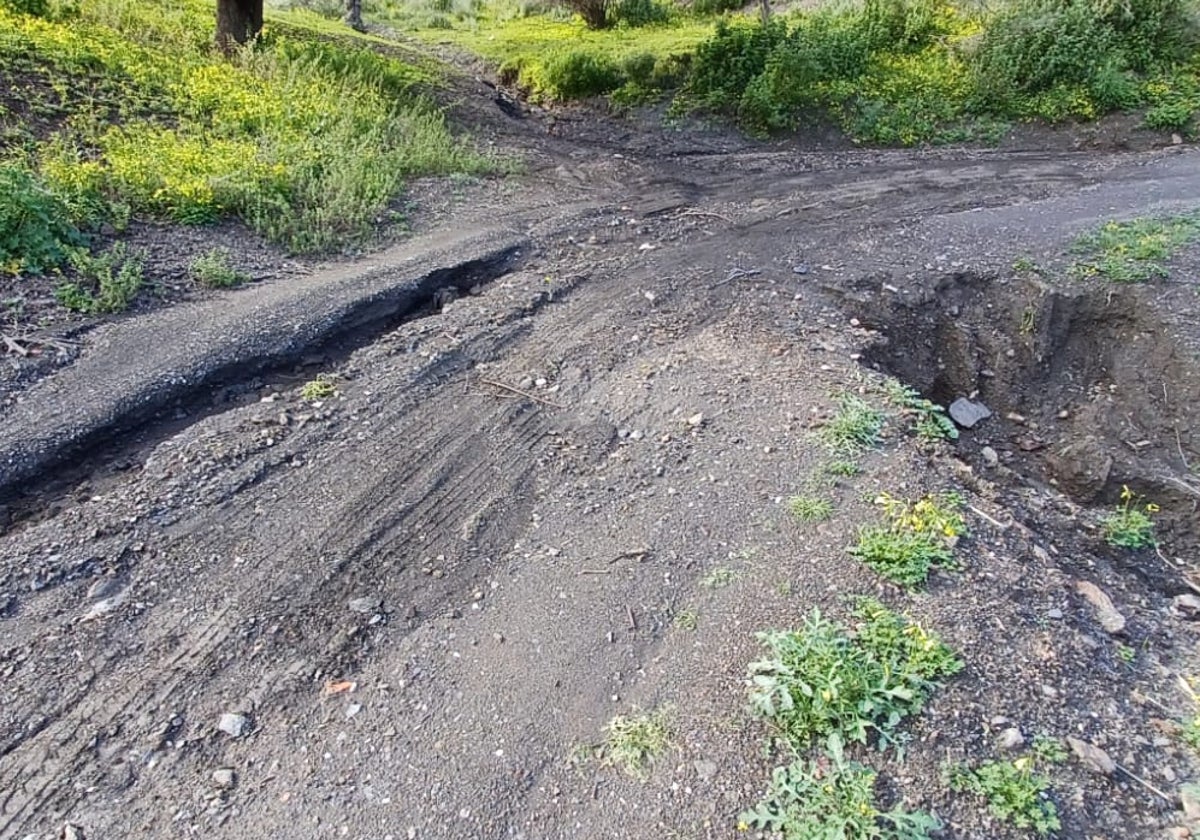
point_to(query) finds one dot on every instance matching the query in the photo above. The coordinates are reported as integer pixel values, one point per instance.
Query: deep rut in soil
(1088, 388)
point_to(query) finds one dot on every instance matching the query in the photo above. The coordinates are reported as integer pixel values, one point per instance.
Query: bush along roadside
(912, 71)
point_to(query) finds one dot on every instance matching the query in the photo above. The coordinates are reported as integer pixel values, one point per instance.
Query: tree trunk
(354, 15)
(237, 22)
(766, 11)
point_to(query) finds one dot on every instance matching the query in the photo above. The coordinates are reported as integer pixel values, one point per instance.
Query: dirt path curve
(414, 602)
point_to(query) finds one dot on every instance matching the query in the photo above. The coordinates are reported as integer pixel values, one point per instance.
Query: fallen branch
(695, 212)
(14, 346)
(520, 392)
(735, 274)
(1003, 526)
(1146, 784)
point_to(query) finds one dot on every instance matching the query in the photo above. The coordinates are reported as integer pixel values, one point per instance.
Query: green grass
(308, 139)
(853, 429)
(825, 680)
(213, 270)
(718, 578)
(633, 742)
(914, 538)
(1134, 251)
(809, 508)
(830, 798)
(1014, 791)
(686, 619)
(1130, 524)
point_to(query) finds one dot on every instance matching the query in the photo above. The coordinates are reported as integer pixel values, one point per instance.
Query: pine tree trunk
(237, 22)
(766, 10)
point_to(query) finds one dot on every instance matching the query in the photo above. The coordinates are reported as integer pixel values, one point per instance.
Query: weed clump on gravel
(854, 428)
(916, 537)
(1015, 792)
(810, 508)
(832, 797)
(930, 422)
(213, 269)
(107, 282)
(633, 742)
(1130, 525)
(1134, 251)
(321, 388)
(826, 680)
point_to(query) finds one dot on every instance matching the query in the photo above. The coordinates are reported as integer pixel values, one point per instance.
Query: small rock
(72, 832)
(967, 414)
(1094, 758)
(1186, 605)
(1055, 613)
(802, 268)
(235, 726)
(102, 608)
(1176, 139)
(989, 456)
(1081, 467)
(1049, 691)
(1011, 739)
(366, 604)
(1106, 613)
(103, 588)
(224, 778)
(696, 419)
(706, 769)
(352, 710)
(1189, 797)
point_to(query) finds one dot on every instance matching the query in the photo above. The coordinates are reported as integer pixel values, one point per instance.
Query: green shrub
(107, 284)
(576, 74)
(37, 8)
(213, 269)
(36, 232)
(715, 7)
(825, 681)
(639, 13)
(1014, 791)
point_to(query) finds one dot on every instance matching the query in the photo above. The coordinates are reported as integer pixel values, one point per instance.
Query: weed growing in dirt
(107, 282)
(687, 619)
(825, 680)
(321, 388)
(810, 508)
(718, 578)
(916, 537)
(1049, 749)
(831, 797)
(633, 742)
(854, 428)
(1133, 252)
(1130, 525)
(1014, 792)
(841, 468)
(213, 269)
(1190, 726)
(1125, 653)
(930, 422)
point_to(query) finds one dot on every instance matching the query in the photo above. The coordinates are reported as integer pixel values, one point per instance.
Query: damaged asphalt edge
(140, 365)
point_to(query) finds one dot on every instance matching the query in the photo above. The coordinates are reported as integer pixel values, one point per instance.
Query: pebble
(366, 604)
(1011, 739)
(968, 414)
(802, 268)
(1054, 613)
(706, 769)
(989, 456)
(224, 778)
(235, 726)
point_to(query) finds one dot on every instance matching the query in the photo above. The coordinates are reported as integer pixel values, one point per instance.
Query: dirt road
(407, 609)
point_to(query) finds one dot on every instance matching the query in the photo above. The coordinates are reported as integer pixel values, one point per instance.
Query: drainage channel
(1087, 388)
(101, 454)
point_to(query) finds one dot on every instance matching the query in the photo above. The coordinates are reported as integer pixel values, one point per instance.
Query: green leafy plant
(841, 467)
(810, 508)
(930, 422)
(321, 388)
(107, 282)
(832, 798)
(1190, 726)
(859, 685)
(36, 232)
(854, 428)
(633, 742)
(1134, 251)
(1130, 525)
(1014, 792)
(916, 537)
(213, 269)
(1049, 749)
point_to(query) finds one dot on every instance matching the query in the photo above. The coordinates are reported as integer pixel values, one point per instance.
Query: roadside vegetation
(886, 71)
(116, 109)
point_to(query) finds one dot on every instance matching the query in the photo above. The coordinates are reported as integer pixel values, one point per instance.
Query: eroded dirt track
(488, 532)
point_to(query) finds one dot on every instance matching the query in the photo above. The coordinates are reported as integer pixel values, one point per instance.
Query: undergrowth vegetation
(120, 107)
(914, 537)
